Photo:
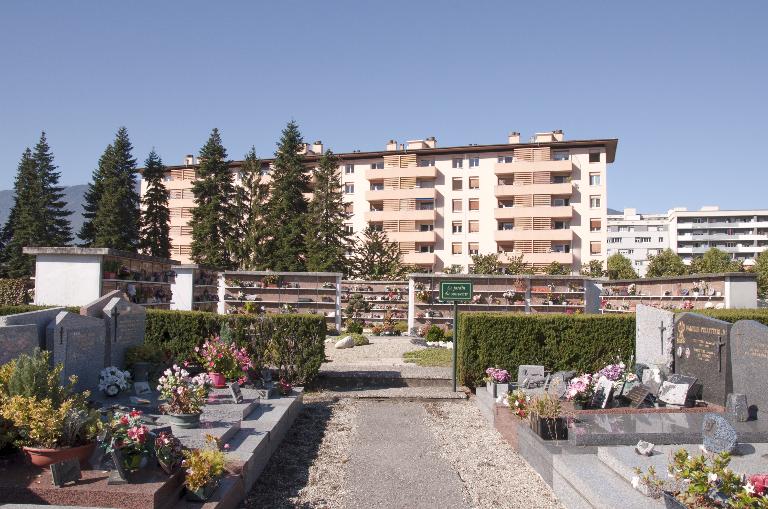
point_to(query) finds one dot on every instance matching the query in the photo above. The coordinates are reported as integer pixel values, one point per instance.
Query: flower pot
(41, 457)
(141, 371)
(550, 428)
(670, 502)
(203, 493)
(185, 421)
(168, 468)
(218, 380)
(133, 461)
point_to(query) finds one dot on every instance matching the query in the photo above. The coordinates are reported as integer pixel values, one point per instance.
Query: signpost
(456, 291)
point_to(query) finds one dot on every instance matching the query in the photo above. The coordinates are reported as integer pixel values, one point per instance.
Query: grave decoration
(284, 387)
(131, 440)
(112, 380)
(580, 391)
(702, 350)
(168, 451)
(519, 402)
(603, 393)
(204, 468)
(497, 381)
(547, 419)
(224, 361)
(65, 472)
(184, 395)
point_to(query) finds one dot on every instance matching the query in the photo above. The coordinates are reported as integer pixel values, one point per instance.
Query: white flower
(712, 477)
(635, 481)
(750, 488)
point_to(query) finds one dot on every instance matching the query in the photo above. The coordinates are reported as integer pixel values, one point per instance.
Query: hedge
(14, 292)
(734, 315)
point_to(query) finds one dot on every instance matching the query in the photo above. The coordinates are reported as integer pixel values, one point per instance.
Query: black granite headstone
(639, 396)
(65, 472)
(749, 365)
(702, 350)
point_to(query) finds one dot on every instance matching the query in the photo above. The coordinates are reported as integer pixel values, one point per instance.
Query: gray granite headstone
(125, 323)
(749, 364)
(702, 350)
(39, 319)
(96, 307)
(16, 340)
(736, 407)
(653, 378)
(654, 337)
(534, 374)
(674, 394)
(718, 435)
(79, 343)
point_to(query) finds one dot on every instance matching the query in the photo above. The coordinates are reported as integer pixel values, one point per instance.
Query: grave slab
(40, 319)
(654, 337)
(16, 340)
(749, 365)
(702, 350)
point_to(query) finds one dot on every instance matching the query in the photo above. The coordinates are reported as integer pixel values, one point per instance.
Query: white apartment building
(637, 236)
(545, 199)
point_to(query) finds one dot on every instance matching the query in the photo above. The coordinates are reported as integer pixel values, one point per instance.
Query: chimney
(392, 145)
(513, 137)
(558, 135)
(317, 147)
(431, 142)
(189, 160)
(416, 144)
(305, 148)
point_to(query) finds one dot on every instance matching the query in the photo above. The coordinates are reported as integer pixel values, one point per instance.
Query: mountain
(73, 196)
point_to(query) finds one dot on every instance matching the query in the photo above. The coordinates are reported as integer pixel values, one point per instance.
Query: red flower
(124, 420)
(135, 413)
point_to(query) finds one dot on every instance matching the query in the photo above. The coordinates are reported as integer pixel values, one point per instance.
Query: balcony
(543, 258)
(418, 236)
(531, 166)
(412, 171)
(516, 190)
(419, 258)
(519, 234)
(401, 194)
(724, 237)
(400, 215)
(553, 212)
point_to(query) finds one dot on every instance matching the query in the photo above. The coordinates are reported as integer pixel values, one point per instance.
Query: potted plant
(184, 396)
(110, 268)
(204, 468)
(113, 380)
(132, 438)
(423, 296)
(284, 387)
(580, 391)
(169, 452)
(270, 280)
(546, 418)
(496, 381)
(223, 360)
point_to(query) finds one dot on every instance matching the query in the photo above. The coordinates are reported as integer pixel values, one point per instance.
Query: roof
(690, 277)
(95, 251)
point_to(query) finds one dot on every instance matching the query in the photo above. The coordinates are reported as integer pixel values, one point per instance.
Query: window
(560, 225)
(349, 208)
(457, 206)
(474, 182)
(614, 240)
(424, 163)
(377, 186)
(594, 157)
(594, 202)
(474, 204)
(561, 179)
(377, 166)
(456, 248)
(560, 202)
(428, 248)
(457, 184)
(425, 205)
(348, 228)
(349, 188)
(626, 251)
(474, 162)
(727, 244)
(505, 159)
(426, 227)
(661, 239)
(349, 169)
(474, 248)
(595, 225)
(457, 228)
(506, 226)
(425, 183)
(377, 227)
(561, 248)
(561, 155)
(642, 240)
(457, 163)
(474, 226)
(595, 248)
(594, 179)
(626, 228)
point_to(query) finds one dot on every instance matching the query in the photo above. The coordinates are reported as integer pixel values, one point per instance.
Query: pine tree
(55, 215)
(25, 225)
(286, 210)
(327, 237)
(377, 258)
(93, 196)
(155, 216)
(213, 221)
(250, 200)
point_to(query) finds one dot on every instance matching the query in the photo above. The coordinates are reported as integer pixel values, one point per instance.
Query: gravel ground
(383, 351)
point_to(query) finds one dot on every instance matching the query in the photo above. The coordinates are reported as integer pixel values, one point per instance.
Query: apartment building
(741, 233)
(544, 199)
(637, 236)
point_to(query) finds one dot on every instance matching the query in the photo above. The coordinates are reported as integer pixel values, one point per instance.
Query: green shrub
(13, 310)
(434, 334)
(354, 327)
(360, 339)
(558, 341)
(734, 315)
(14, 292)
(31, 376)
(401, 327)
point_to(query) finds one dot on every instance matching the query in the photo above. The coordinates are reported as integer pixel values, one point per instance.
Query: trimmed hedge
(734, 315)
(557, 341)
(14, 292)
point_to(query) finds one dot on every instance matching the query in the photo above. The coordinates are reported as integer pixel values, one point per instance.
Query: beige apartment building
(544, 199)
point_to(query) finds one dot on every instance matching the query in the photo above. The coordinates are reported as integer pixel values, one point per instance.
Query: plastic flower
(750, 488)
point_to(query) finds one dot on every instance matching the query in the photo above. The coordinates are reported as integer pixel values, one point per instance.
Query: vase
(168, 468)
(218, 380)
(203, 493)
(185, 421)
(550, 428)
(133, 461)
(42, 457)
(496, 389)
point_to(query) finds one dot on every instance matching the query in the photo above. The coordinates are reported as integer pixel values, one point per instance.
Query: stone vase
(496, 389)
(185, 421)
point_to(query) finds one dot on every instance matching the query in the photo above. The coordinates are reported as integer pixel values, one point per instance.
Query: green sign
(455, 290)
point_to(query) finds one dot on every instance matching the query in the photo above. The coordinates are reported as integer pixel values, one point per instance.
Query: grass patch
(429, 357)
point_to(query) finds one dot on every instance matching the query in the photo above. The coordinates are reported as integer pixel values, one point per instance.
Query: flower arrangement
(270, 279)
(204, 466)
(113, 380)
(581, 389)
(497, 375)
(423, 296)
(183, 394)
(284, 387)
(131, 436)
(220, 356)
(169, 452)
(477, 298)
(518, 402)
(613, 372)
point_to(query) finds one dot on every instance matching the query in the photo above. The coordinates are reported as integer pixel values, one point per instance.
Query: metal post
(455, 340)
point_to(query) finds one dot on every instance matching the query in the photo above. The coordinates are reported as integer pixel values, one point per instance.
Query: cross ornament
(115, 314)
(720, 345)
(661, 335)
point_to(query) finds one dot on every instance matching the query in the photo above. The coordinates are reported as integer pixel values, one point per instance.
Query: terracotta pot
(218, 380)
(41, 457)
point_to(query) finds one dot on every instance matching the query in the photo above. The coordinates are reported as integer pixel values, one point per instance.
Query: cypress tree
(155, 216)
(93, 196)
(287, 208)
(251, 232)
(55, 215)
(213, 221)
(376, 258)
(327, 237)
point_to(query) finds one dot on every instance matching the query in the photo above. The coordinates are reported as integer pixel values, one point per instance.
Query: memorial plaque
(237, 395)
(65, 472)
(559, 382)
(749, 365)
(79, 344)
(654, 337)
(125, 323)
(534, 375)
(702, 350)
(16, 340)
(652, 378)
(677, 394)
(639, 396)
(603, 392)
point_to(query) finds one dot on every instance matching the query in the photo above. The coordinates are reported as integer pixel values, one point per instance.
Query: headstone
(654, 331)
(749, 365)
(40, 319)
(65, 472)
(559, 382)
(142, 388)
(79, 344)
(119, 475)
(534, 374)
(702, 350)
(674, 393)
(652, 378)
(16, 340)
(96, 308)
(603, 392)
(639, 396)
(235, 392)
(736, 407)
(125, 323)
(718, 435)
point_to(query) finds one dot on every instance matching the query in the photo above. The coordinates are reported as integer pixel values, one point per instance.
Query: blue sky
(681, 84)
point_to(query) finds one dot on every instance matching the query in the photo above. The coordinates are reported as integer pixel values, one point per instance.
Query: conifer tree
(252, 231)
(55, 215)
(286, 212)
(376, 258)
(93, 196)
(155, 216)
(327, 237)
(213, 221)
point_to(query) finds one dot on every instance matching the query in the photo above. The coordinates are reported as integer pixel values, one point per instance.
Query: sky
(682, 84)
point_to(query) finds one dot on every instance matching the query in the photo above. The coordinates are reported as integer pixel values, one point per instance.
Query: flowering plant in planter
(497, 375)
(113, 380)
(222, 357)
(204, 467)
(518, 402)
(131, 436)
(284, 387)
(581, 389)
(183, 394)
(423, 296)
(169, 452)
